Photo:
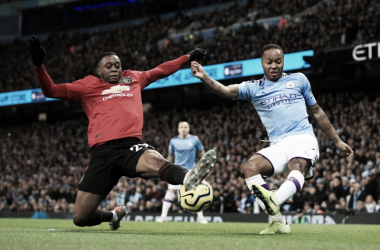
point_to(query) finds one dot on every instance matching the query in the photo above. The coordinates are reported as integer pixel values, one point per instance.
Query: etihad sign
(116, 90)
(364, 52)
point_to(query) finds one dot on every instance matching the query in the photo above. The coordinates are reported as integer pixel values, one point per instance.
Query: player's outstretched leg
(119, 213)
(201, 170)
(267, 197)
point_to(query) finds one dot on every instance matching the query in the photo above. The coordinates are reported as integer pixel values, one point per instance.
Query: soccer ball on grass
(198, 199)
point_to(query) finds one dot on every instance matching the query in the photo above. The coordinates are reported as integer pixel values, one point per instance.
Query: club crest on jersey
(116, 89)
(190, 144)
(127, 79)
(290, 84)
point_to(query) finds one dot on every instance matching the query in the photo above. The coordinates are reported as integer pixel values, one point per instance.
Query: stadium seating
(71, 54)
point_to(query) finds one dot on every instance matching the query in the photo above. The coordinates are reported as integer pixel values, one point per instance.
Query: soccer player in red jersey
(113, 107)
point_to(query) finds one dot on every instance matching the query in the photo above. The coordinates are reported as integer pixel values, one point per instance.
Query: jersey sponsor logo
(117, 95)
(278, 100)
(116, 89)
(127, 80)
(290, 84)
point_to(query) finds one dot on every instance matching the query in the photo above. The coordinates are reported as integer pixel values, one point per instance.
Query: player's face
(183, 129)
(272, 62)
(109, 69)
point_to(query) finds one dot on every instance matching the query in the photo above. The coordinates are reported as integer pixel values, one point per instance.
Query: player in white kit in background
(283, 102)
(183, 150)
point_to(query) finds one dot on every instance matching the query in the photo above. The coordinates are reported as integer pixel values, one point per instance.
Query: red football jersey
(114, 110)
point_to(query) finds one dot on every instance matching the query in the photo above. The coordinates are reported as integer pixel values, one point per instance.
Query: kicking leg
(152, 164)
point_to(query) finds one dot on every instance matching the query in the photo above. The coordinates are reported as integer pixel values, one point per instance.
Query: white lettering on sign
(364, 52)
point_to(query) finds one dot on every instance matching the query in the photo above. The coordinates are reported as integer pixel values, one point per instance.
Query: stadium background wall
(326, 218)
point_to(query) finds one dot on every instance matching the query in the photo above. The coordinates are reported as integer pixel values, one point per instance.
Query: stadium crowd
(70, 55)
(42, 163)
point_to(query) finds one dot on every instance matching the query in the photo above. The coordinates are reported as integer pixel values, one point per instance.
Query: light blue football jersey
(185, 150)
(281, 105)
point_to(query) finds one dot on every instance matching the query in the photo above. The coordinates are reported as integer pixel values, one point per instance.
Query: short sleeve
(199, 145)
(247, 90)
(171, 147)
(306, 91)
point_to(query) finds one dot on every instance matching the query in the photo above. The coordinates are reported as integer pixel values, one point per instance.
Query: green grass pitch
(63, 234)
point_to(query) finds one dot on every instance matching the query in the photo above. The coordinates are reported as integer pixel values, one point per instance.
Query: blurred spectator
(370, 204)
(300, 219)
(283, 21)
(245, 204)
(357, 195)
(317, 209)
(360, 208)
(217, 205)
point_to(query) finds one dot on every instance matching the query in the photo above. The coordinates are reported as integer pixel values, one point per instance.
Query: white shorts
(174, 187)
(294, 146)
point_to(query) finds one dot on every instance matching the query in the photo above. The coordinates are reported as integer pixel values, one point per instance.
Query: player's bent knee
(257, 165)
(246, 169)
(80, 221)
(299, 164)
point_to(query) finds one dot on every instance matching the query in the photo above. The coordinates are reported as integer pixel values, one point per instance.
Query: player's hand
(197, 70)
(344, 149)
(197, 54)
(38, 53)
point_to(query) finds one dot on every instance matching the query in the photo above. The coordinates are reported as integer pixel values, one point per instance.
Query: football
(198, 199)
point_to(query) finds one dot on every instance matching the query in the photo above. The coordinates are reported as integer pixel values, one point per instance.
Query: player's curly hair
(270, 46)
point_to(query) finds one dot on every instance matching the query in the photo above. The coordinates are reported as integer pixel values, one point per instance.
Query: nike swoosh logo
(270, 197)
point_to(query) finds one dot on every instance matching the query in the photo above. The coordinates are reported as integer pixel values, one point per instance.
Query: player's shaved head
(270, 46)
(183, 129)
(183, 123)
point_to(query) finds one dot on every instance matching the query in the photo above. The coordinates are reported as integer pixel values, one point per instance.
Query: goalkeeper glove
(38, 53)
(197, 54)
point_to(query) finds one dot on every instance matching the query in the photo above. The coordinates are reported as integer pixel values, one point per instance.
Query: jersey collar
(262, 81)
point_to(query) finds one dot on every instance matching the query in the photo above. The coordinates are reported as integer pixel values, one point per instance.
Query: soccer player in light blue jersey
(284, 102)
(183, 150)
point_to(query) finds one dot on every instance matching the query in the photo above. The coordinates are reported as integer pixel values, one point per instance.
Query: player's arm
(322, 121)
(170, 67)
(171, 157)
(201, 153)
(230, 91)
(47, 85)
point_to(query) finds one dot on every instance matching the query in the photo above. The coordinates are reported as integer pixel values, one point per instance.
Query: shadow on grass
(170, 233)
